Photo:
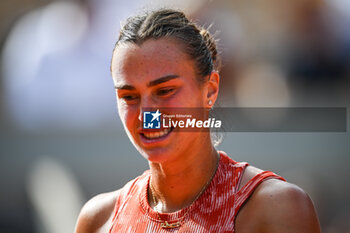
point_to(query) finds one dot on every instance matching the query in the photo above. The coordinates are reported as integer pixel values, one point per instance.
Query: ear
(212, 89)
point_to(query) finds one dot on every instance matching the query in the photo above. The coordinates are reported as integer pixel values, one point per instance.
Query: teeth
(152, 135)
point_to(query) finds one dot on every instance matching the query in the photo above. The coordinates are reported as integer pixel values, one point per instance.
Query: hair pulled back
(166, 23)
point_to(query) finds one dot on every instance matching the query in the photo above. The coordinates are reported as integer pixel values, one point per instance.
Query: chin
(165, 148)
(157, 155)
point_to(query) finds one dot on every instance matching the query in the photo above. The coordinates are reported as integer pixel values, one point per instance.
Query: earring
(210, 102)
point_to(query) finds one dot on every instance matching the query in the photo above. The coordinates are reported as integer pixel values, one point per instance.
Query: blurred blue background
(61, 140)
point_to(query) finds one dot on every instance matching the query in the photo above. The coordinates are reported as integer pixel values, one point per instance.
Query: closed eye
(165, 91)
(130, 99)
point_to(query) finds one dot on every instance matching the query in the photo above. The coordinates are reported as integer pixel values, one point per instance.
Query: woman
(162, 59)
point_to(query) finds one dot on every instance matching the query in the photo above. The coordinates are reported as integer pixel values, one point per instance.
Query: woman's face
(154, 75)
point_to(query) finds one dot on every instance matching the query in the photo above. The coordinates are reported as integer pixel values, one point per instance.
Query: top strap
(247, 190)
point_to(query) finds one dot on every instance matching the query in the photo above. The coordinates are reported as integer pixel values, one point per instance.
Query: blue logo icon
(151, 120)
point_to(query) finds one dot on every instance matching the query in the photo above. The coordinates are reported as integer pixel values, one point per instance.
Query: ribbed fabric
(214, 211)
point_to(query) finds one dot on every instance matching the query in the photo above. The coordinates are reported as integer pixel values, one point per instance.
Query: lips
(158, 134)
(153, 138)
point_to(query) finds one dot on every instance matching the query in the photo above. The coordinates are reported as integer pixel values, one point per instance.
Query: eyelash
(129, 97)
(165, 91)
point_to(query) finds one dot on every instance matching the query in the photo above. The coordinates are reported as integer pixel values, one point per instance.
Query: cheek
(191, 96)
(128, 115)
(121, 110)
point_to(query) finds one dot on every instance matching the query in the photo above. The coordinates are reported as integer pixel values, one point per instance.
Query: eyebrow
(162, 80)
(124, 87)
(150, 84)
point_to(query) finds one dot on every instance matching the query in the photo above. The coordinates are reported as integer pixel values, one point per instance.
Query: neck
(177, 184)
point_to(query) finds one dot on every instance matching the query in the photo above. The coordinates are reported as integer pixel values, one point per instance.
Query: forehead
(151, 59)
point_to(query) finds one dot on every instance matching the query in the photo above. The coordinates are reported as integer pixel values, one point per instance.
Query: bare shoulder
(277, 206)
(248, 174)
(96, 213)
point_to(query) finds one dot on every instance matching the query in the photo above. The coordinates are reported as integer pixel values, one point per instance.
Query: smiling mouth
(158, 134)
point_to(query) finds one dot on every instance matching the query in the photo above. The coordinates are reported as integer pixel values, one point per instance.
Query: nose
(140, 117)
(147, 104)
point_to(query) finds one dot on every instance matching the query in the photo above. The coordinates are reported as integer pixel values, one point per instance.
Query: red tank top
(214, 211)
